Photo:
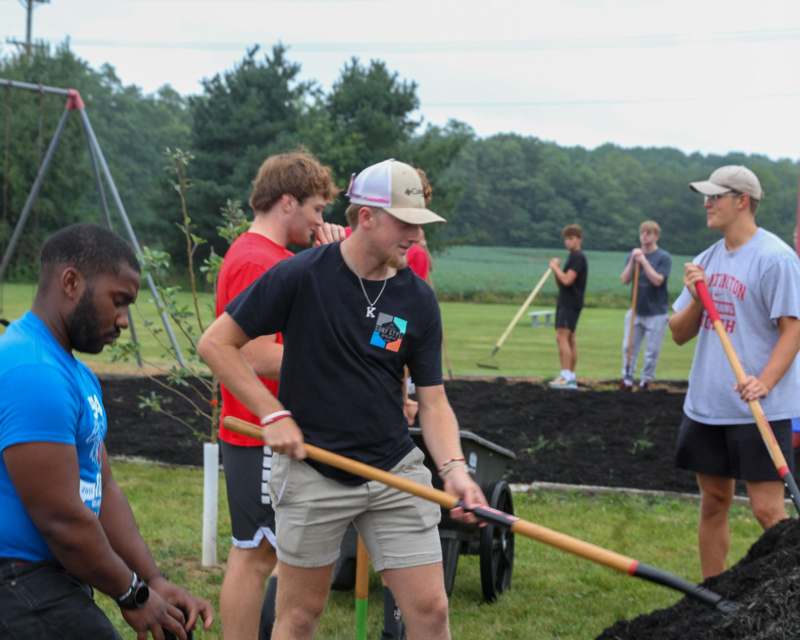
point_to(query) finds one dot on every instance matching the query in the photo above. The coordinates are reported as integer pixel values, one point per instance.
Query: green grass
(553, 596)
(471, 330)
(487, 274)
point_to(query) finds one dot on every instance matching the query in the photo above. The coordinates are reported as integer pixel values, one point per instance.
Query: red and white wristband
(275, 416)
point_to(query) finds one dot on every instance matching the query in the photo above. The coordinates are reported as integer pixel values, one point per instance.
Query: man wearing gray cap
(352, 316)
(754, 279)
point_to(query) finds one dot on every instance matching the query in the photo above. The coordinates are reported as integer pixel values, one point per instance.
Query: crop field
(487, 274)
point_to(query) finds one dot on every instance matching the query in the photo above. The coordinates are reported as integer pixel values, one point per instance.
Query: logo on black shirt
(389, 332)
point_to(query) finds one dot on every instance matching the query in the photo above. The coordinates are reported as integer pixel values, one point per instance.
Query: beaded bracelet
(447, 462)
(450, 465)
(275, 416)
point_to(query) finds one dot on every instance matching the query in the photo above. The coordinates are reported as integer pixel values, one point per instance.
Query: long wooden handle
(764, 428)
(575, 546)
(522, 309)
(755, 406)
(362, 589)
(632, 321)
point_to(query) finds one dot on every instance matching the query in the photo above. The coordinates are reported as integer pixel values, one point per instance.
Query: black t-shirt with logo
(342, 370)
(572, 296)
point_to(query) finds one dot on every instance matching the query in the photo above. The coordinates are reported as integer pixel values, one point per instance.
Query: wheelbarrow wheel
(451, 547)
(496, 547)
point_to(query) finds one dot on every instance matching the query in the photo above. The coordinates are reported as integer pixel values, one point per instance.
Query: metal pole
(104, 203)
(16, 84)
(37, 184)
(131, 233)
(29, 27)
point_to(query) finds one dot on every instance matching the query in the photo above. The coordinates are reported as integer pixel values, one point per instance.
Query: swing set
(103, 180)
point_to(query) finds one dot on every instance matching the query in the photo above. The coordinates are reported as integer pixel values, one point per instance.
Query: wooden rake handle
(764, 428)
(632, 321)
(528, 529)
(521, 310)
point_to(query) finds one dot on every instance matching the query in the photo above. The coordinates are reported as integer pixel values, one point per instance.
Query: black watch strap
(136, 595)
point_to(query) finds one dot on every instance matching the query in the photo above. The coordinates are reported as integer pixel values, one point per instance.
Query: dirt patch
(764, 585)
(596, 436)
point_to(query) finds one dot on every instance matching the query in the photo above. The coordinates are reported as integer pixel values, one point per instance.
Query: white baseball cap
(394, 187)
(730, 178)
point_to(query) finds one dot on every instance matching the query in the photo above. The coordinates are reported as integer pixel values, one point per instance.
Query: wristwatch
(136, 596)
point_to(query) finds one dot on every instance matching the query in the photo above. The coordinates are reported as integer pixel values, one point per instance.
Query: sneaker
(644, 385)
(562, 383)
(626, 384)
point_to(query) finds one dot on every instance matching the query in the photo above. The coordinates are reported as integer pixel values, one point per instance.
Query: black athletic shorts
(731, 451)
(247, 472)
(567, 318)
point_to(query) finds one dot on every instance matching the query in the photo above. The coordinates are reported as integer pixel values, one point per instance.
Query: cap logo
(414, 191)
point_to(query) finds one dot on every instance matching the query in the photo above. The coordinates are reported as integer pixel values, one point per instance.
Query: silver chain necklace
(371, 304)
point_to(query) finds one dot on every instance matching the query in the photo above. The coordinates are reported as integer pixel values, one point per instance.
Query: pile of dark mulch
(765, 585)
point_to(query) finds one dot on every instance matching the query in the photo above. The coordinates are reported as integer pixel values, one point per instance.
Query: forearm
(264, 355)
(229, 365)
(559, 274)
(685, 324)
(440, 432)
(80, 544)
(783, 354)
(123, 534)
(625, 276)
(655, 278)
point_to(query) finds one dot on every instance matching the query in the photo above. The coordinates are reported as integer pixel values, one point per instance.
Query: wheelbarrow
(493, 544)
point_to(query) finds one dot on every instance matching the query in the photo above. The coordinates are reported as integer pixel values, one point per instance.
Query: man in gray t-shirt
(754, 280)
(650, 320)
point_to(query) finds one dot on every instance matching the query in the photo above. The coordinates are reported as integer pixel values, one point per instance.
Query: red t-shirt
(419, 261)
(249, 257)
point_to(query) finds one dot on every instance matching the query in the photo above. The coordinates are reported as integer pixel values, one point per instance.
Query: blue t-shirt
(46, 395)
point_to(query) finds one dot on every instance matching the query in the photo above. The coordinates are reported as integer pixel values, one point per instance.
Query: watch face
(141, 594)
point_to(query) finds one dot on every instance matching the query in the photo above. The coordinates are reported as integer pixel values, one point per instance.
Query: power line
(592, 102)
(555, 43)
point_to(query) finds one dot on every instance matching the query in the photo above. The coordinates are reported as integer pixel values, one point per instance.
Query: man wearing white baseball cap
(352, 315)
(754, 279)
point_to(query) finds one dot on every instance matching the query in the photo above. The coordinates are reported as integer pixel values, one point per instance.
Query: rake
(490, 363)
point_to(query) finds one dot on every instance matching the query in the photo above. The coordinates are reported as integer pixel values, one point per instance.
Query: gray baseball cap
(730, 178)
(395, 187)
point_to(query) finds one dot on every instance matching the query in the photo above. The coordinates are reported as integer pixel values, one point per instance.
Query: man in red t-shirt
(290, 193)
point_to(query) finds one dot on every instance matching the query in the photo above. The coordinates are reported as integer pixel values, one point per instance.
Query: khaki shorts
(312, 513)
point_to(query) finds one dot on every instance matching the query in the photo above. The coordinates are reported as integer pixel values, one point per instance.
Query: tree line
(506, 189)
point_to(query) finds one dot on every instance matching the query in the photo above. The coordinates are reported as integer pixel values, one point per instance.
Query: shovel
(629, 364)
(555, 539)
(764, 427)
(490, 363)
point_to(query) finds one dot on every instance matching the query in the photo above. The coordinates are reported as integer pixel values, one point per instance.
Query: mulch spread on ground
(765, 585)
(593, 437)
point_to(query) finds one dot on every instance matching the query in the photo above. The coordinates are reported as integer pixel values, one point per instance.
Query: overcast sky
(701, 75)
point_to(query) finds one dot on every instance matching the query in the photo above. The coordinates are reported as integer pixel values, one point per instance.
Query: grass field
(509, 273)
(553, 595)
(471, 330)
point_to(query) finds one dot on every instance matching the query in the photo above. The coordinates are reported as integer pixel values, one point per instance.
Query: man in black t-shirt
(571, 282)
(352, 316)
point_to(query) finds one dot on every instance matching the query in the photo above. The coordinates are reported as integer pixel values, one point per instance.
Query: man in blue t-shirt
(352, 316)
(69, 529)
(650, 321)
